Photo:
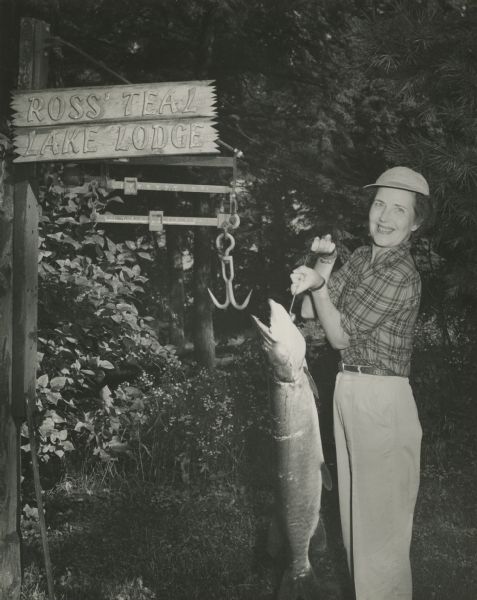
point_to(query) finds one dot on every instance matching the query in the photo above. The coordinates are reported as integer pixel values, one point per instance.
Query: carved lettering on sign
(114, 103)
(114, 140)
(115, 121)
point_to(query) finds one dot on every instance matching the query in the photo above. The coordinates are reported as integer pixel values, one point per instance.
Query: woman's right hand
(303, 278)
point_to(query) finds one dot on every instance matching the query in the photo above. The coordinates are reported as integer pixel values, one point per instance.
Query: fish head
(283, 343)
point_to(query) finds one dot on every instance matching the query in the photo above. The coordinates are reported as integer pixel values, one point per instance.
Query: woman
(368, 310)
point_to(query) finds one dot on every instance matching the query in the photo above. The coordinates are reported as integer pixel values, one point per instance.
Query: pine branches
(420, 57)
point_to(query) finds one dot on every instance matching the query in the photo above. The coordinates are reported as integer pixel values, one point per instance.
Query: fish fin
(326, 477)
(275, 541)
(319, 537)
(312, 383)
(304, 587)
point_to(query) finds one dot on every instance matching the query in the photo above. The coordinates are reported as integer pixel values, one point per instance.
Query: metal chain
(219, 243)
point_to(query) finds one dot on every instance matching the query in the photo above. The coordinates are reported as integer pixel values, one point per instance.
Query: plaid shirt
(378, 303)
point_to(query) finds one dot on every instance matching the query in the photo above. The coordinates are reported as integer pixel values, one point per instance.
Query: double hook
(228, 274)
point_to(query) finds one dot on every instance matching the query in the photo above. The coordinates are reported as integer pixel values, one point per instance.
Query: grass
(178, 543)
(445, 536)
(140, 544)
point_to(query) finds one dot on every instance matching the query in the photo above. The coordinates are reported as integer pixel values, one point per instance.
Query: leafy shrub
(194, 426)
(106, 386)
(93, 323)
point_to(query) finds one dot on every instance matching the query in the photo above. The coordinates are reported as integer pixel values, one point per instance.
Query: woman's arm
(303, 279)
(326, 250)
(330, 319)
(323, 266)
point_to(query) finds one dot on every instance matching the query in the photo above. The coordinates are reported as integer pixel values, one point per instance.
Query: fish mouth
(265, 333)
(282, 342)
(277, 313)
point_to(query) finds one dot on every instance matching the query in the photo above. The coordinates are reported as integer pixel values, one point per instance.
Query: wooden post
(25, 294)
(32, 74)
(10, 570)
(10, 566)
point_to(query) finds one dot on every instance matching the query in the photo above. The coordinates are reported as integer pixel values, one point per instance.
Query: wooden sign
(115, 121)
(41, 108)
(115, 140)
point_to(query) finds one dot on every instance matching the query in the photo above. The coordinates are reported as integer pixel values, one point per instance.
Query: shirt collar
(392, 255)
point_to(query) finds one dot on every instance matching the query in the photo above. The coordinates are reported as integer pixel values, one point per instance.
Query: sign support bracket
(131, 186)
(156, 220)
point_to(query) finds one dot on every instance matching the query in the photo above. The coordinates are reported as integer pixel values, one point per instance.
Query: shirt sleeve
(376, 299)
(337, 281)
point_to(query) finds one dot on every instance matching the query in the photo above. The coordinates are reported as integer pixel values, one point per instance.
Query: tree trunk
(176, 288)
(204, 342)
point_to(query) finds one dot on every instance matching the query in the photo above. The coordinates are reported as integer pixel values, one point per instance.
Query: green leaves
(90, 323)
(57, 383)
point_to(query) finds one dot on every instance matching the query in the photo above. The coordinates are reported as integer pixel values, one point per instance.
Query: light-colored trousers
(378, 444)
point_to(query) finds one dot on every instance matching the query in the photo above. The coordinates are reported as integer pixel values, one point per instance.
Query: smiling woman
(368, 310)
(395, 186)
(392, 217)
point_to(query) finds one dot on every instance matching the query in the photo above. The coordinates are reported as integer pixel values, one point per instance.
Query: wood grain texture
(32, 72)
(118, 103)
(116, 140)
(25, 286)
(10, 573)
(216, 162)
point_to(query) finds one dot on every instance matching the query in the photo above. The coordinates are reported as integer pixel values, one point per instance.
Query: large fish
(301, 470)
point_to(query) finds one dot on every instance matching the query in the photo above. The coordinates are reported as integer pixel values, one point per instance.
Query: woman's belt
(365, 369)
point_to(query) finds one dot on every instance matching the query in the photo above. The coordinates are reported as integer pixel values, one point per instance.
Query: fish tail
(301, 587)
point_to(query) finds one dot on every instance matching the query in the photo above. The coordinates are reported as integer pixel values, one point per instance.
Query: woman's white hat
(402, 178)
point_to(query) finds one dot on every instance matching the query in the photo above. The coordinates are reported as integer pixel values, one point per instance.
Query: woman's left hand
(303, 278)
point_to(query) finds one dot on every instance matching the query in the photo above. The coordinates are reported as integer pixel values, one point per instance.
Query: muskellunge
(301, 470)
